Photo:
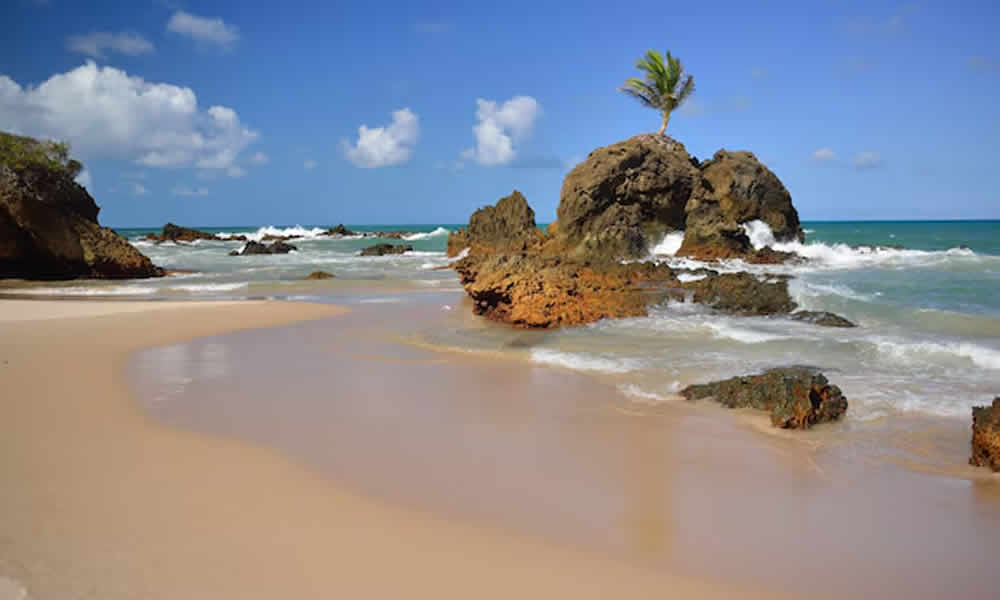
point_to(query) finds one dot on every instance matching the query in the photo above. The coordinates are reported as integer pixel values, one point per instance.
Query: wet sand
(565, 459)
(101, 501)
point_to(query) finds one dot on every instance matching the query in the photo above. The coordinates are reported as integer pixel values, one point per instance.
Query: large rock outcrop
(507, 226)
(796, 397)
(383, 249)
(252, 248)
(49, 230)
(624, 197)
(735, 188)
(986, 436)
(176, 233)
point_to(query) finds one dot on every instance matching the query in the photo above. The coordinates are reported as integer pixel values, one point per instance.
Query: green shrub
(19, 153)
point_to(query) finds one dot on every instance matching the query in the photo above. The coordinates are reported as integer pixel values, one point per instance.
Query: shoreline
(100, 499)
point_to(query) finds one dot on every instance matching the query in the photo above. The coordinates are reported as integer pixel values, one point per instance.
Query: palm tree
(666, 86)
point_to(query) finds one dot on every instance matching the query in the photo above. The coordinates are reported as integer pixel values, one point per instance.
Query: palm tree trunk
(666, 119)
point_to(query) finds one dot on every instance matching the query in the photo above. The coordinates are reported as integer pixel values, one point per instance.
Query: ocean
(926, 297)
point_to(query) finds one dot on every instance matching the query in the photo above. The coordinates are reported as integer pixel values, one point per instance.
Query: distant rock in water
(796, 397)
(383, 249)
(320, 275)
(986, 436)
(49, 228)
(176, 233)
(340, 230)
(252, 248)
(821, 318)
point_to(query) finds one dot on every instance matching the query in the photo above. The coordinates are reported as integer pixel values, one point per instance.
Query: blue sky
(215, 113)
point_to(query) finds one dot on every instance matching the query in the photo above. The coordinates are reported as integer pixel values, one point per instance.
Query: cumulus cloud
(204, 29)
(500, 128)
(823, 155)
(260, 159)
(387, 145)
(187, 191)
(867, 160)
(84, 179)
(105, 112)
(96, 43)
(309, 165)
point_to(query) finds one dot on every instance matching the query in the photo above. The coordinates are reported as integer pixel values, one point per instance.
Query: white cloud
(95, 43)
(186, 191)
(84, 179)
(387, 145)
(309, 165)
(260, 159)
(104, 112)
(204, 29)
(823, 155)
(867, 160)
(500, 127)
(139, 190)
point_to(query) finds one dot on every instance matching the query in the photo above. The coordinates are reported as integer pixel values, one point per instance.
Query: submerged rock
(821, 318)
(743, 293)
(320, 275)
(253, 247)
(383, 249)
(49, 229)
(507, 226)
(986, 436)
(796, 397)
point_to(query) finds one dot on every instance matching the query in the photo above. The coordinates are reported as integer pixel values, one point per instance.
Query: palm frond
(643, 92)
(687, 88)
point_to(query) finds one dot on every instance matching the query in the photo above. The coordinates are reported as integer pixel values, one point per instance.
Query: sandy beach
(99, 501)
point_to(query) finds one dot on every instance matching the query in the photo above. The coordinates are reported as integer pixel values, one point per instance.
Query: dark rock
(736, 188)
(508, 226)
(624, 196)
(796, 397)
(253, 247)
(383, 249)
(320, 275)
(340, 230)
(742, 293)
(986, 436)
(822, 318)
(176, 233)
(49, 230)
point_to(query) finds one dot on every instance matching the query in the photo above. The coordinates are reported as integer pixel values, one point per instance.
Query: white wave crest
(842, 256)
(103, 290)
(297, 232)
(210, 287)
(424, 236)
(579, 361)
(669, 245)
(724, 330)
(922, 352)
(641, 396)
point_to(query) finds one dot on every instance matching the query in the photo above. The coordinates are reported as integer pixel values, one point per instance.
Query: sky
(316, 113)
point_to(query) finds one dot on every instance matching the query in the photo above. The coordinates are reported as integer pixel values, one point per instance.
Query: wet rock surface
(315, 275)
(256, 248)
(383, 249)
(795, 397)
(176, 233)
(821, 318)
(986, 436)
(49, 231)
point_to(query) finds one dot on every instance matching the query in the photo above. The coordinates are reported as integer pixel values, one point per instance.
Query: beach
(100, 501)
(110, 496)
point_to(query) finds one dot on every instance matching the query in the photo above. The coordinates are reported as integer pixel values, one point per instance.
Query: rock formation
(253, 248)
(508, 226)
(340, 230)
(49, 229)
(796, 397)
(986, 436)
(383, 249)
(320, 275)
(176, 233)
(821, 318)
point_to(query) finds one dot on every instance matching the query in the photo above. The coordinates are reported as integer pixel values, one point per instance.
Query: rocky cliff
(49, 230)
